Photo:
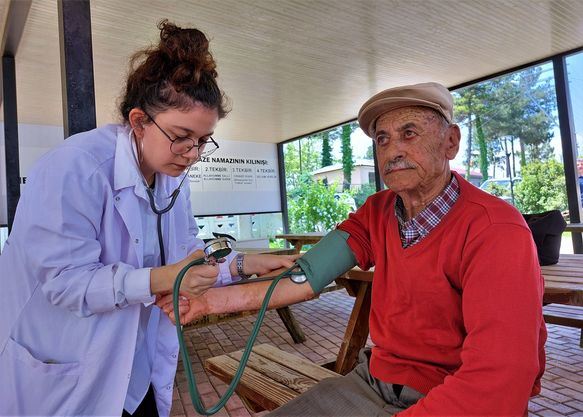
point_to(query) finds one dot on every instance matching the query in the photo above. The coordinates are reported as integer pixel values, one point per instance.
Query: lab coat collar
(126, 172)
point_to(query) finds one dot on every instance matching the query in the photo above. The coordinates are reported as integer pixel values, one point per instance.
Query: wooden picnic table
(563, 285)
(564, 281)
(263, 251)
(574, 227)
(274, 377)
(297, 240)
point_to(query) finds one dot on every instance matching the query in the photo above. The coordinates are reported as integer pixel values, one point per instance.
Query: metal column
(16, 13)
(569, 145)
(76, 66)
(10, 137)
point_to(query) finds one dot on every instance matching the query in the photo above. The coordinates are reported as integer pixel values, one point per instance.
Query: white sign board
(240, 177)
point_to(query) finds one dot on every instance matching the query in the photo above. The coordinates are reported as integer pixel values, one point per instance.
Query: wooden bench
(272, 376)
(565, 315)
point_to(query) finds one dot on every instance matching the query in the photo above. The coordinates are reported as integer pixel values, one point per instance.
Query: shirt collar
(413, 230)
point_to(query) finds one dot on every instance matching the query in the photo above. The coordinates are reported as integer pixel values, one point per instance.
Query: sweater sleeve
(357, 226)
(503, 352)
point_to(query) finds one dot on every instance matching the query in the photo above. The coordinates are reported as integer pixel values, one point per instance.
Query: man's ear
(452, 141)
(137, 119)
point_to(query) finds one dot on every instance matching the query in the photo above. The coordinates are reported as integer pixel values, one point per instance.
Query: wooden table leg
(356, 331)
(291, 324)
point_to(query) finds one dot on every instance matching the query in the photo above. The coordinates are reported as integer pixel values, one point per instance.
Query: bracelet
(240, 257)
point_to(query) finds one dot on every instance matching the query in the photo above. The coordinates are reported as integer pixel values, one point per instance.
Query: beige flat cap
(432, 95)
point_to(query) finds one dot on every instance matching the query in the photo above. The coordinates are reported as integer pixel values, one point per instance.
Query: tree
(300, 156)
(468, 104)
(326, 150)
(369, 153)
(483, 148)
(347, 161)
(516, 107)
(542, 187)
(313, 207)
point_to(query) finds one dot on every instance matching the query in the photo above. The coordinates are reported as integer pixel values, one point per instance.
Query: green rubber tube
(192, 389)
(327, 260)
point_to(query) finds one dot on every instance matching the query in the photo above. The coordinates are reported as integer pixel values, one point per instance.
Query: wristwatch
(239, 260)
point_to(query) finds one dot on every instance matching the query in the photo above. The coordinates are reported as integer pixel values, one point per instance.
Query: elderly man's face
(580, 167)
(413, 148)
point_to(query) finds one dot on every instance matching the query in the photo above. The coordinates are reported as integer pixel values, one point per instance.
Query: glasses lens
(181, 145)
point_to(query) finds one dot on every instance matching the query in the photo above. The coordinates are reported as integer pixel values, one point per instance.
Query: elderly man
(456, 317)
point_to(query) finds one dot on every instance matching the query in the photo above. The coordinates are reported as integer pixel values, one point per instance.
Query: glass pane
(328, 175)
(511, 144)
(575, 79)
(249, 230)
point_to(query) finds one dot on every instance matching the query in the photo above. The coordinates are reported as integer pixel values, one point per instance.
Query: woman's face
(197, 123)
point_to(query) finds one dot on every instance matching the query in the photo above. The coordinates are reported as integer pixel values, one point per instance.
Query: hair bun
(175, 74)
(186, 52)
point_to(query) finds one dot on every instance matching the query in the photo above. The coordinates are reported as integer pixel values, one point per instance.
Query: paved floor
(323, 322)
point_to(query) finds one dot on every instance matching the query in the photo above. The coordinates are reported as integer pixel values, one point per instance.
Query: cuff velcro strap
(327, 260)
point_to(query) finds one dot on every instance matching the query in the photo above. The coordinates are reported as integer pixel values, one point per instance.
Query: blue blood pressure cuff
(327, 260)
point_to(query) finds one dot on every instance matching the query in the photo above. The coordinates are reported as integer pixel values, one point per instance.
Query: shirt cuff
(137, 286)
(225, 277)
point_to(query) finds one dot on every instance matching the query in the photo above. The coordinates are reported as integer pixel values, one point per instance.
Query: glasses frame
(172, 141)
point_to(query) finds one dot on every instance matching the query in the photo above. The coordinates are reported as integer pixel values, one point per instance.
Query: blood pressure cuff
(327, 260)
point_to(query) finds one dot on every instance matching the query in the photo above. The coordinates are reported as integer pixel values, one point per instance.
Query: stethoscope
(214, 251)
(158, 212)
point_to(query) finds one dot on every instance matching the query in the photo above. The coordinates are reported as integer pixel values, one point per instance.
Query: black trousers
(147, 407)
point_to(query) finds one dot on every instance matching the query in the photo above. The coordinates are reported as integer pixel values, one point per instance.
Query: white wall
(34, 141)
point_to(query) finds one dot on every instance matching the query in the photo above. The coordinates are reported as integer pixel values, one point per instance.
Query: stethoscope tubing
(193, 391)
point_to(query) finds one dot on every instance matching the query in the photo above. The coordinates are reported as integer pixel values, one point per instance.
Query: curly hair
(177, 73)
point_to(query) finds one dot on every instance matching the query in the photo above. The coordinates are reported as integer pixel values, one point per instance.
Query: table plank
(298, 240)
(278, 372)
(252, 382)
(303, 366)
(574, 227)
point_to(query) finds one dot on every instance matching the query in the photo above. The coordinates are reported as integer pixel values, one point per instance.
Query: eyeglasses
(183, 144)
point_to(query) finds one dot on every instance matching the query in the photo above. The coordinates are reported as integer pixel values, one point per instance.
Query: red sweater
(458, 316)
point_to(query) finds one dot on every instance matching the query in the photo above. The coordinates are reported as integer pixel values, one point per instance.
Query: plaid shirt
(415, 229)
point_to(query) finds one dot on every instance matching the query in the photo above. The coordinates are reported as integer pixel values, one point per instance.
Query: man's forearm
(248, 297)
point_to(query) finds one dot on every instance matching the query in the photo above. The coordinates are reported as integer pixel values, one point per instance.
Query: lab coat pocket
(34, 387)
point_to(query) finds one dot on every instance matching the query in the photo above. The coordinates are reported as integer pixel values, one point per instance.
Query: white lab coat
(71, 282)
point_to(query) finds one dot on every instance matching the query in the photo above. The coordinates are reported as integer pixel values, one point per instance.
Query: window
(511, 145)
(328, 175)
(249, 230)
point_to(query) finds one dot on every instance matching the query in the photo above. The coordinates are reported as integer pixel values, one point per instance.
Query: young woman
(102, 228)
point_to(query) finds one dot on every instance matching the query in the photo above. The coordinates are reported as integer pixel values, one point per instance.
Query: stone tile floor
(324, 321)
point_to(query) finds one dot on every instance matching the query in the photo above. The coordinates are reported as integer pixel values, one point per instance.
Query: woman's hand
(196, 281)
(263, 264)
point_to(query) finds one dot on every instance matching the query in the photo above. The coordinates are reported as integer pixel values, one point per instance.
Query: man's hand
(166, 303)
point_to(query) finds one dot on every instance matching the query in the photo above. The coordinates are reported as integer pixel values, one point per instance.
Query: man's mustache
(398, 164)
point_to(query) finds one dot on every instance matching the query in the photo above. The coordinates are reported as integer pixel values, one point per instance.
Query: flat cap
(432, 95)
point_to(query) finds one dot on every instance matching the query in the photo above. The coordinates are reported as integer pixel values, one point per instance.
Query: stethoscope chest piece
(218, 248)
